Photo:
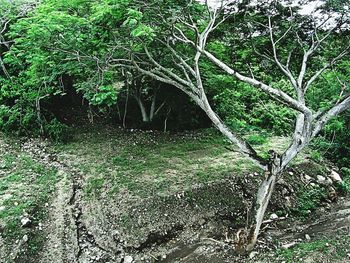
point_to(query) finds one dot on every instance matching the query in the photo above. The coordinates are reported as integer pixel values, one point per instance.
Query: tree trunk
(246, 244)
(153, 108)
(145, 117)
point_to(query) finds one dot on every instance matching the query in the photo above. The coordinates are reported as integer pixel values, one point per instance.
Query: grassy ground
(335, 249)
(145, 163)
(25, 187)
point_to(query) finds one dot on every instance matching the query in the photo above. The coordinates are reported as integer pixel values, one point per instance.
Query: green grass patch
(323, 250)
(344, 186)
(303, 249)
(25, 187)
(309, 198)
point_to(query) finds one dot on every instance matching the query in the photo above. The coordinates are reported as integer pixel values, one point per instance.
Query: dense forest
(254, 70)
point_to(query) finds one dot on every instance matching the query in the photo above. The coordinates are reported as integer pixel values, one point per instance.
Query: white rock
(307, 237)
(25, 222)
(307, 178)
(289, 245)
(273, 216)
(335, 177)
(329, 181)
(321, 179)
(128, 259)
(25, 238)
(253, 254)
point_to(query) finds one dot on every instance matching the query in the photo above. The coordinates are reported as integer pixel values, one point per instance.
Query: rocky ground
(84, 219)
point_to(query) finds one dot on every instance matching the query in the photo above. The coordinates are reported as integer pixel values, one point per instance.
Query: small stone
(307, 237)
(25, 238)
(25, 222)
(288, 202)
(321, 179)
(164, 257)
(273, 216)
(289, 245)
(329, 181)
(290, 173)
(253, 254)
(307, 178)
(2, 208)
(335, 177)
(128, 259)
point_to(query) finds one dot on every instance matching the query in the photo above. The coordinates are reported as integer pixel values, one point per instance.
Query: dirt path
(67, 237)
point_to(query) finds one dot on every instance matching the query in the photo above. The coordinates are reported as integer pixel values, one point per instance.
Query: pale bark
(186, 76)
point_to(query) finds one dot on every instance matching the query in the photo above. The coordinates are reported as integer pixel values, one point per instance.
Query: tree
(301, 47)
(183, 44)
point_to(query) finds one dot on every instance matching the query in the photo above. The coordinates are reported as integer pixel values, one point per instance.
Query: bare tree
(186, 76)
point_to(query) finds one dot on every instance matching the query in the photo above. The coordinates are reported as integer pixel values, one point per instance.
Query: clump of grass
(301, 250)
(257, 139)
(309, 198)
(331, 248)
(344, 186)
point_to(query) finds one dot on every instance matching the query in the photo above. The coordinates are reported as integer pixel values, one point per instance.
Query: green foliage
(344, 186)
(309, 198)
(106, 95)
(303, 249)
(257, 139)
(57, 131)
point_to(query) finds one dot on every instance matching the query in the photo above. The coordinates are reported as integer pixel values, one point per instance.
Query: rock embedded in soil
(273, 216)
(321, 179)
(289, 245)
(308, 178)
(25, 222)
(335, 177)
(128, 259)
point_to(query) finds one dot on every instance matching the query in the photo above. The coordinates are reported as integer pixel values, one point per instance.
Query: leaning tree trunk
(246, 244)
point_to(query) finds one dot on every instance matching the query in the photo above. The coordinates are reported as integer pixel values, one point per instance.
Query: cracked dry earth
(92, 230)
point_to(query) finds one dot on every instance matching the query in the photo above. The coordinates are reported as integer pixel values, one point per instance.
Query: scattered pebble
(273, 216)
(335, 177)
(25, 238)
(253, 254)
(128, 259)
(321, 179)
(25, 222)
(289, 245)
